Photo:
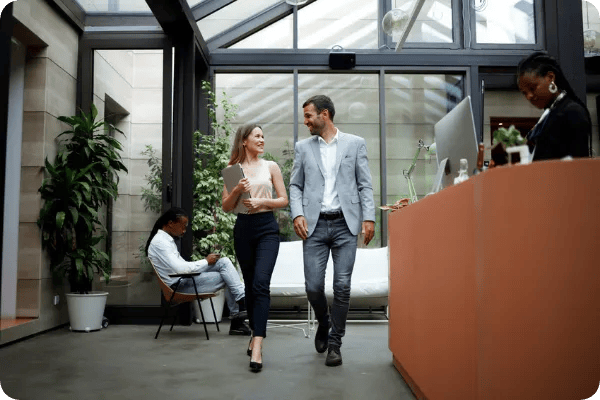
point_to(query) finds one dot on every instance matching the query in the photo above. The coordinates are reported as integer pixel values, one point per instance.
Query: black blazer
(564, 132)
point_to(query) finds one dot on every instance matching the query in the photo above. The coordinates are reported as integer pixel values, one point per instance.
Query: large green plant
(151, 195)
(81, 180)
(282, 215)
(213, 228)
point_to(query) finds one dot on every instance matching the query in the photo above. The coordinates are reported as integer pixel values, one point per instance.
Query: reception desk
(495, 285)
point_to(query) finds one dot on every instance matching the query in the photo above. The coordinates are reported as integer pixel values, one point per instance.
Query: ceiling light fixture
(397, 23)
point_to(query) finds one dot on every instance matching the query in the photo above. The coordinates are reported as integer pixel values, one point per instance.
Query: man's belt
(331, 215)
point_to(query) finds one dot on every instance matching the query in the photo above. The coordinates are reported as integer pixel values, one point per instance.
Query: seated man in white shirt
(216, 272)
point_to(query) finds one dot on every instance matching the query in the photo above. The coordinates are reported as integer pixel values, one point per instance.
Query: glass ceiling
(231, 15)
(279, 35)
(193, 3)
(351, 24)
(114, 6)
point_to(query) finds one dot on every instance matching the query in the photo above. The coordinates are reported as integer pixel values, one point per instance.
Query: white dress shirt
(165, 256)
(331, 201)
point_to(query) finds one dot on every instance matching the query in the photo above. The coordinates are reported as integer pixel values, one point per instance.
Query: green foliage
(286, 225)
(510, 137)
(213, 228)
(151, 195)
(82, 179)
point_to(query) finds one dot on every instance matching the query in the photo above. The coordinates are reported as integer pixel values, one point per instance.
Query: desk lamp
(412, 193)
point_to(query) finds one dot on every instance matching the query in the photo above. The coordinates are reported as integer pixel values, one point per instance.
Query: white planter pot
(522, 150)
(218, 302)
(86, 310)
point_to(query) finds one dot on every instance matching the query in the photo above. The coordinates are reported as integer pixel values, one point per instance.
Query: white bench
(370, 278)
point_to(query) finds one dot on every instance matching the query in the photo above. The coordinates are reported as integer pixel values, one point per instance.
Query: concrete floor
(126, 362)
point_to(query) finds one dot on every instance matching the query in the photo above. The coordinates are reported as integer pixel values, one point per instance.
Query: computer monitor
(456, 138)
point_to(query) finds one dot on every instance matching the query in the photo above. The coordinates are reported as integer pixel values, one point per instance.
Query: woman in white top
(256, 232)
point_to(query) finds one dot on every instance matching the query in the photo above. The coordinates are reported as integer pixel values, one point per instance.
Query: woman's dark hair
(172, 214)
(238, 154)
(540, 63)
(321, 102)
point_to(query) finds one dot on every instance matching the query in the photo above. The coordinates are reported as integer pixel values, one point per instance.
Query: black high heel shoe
(249, 351)
(256, 366)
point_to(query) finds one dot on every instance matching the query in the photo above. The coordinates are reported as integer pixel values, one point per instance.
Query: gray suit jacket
(352, 181)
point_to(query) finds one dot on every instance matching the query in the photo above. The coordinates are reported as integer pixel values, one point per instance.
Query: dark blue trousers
(256, 242)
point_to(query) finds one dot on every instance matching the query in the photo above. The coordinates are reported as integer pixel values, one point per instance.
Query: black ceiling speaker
(342, 60)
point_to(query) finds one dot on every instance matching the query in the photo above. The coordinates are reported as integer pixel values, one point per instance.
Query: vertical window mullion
(383, 157)
(295, 28)
(296, 106)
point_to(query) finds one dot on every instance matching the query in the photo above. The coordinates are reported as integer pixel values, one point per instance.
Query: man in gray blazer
(331, 199)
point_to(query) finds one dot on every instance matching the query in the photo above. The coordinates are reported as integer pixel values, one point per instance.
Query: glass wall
(265, 99)
(128, 93)
(414, 103)
(268, 100)
(356, 100)
(591, 28)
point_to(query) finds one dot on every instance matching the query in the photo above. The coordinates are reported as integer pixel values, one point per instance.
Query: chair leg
(173, 295)
(162, 320)
(174, 319)
(214, 314)
(200, 307)
(167, 312)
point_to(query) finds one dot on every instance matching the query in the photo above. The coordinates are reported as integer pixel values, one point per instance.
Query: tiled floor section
(126, 362)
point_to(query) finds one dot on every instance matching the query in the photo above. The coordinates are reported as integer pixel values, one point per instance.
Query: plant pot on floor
(86, 310)
(219, 304)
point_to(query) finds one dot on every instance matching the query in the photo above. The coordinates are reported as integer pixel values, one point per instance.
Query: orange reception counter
(495, 285)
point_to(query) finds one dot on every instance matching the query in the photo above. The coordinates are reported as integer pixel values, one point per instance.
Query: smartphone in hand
(212, 258)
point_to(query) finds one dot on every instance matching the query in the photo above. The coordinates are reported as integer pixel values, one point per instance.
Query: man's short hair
(321, 102)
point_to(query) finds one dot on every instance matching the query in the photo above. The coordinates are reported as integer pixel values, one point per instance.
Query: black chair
(175, 298)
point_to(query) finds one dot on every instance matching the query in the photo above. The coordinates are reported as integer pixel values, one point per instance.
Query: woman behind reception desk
(565, 126)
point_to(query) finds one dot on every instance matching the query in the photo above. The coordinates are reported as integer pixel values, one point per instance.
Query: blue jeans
(221, 274)
(334, 236)
(256, 241)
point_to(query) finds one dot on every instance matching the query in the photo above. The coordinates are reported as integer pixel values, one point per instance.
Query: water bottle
(462, 171)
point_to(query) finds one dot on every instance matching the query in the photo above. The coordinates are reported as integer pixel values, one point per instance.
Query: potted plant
(81, 180)
(212, 228)
(508, 142)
